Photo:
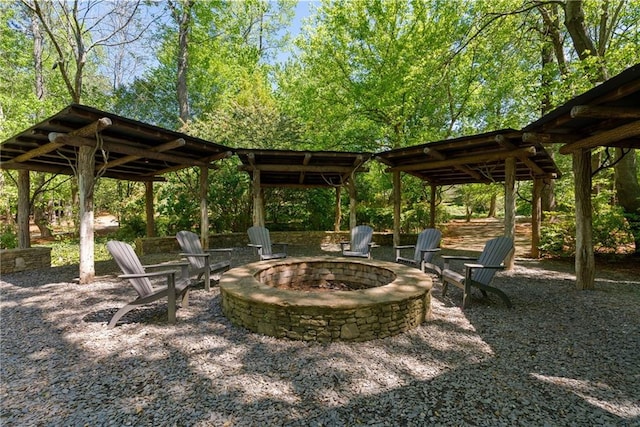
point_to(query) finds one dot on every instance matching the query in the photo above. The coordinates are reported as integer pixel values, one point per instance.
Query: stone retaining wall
(155, 245)
(360, 315)
(15, 260)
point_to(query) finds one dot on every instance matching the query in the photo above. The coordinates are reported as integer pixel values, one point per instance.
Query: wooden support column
(204, 208)
(338, 218)
(397, 201)
(24, 191)
(352, 204)
(258, 206)
(585, 262)
(432, 207)
(536, 216)
(86, 183)
(149, 209)
(510, 205)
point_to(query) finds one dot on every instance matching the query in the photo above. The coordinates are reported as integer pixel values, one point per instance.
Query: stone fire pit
(326, 298)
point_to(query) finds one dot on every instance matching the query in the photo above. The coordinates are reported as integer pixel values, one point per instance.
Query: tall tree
(181, 13)
(77, 30)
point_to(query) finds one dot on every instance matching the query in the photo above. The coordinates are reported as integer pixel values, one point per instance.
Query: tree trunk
(183, 19)
(492, 206)
(39, 217)
(628, 191)
(585, 261)
(338, 218)
(23, 209)
(38, 42)
(582, 43)
(86, 182)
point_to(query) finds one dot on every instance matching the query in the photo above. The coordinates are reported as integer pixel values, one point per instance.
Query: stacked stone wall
(169, 244)
(15, 260)
(399, 300)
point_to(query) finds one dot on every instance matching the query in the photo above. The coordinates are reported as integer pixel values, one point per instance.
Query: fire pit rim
(241, 283)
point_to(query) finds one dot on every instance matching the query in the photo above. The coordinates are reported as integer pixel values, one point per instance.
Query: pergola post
(352, 204)
(338, 218)
(258, 206)
(432, 206)
(536, 216)
(86, 183)
(204, 210)
(585, 262)
(397, 201)
(24, 238)
(510, 205)
(149, 209)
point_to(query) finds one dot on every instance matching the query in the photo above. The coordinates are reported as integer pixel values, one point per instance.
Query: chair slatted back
(361, 236)
(190, 244)
(260, 236)
(429, 238)
(129, 263)
(494, 253)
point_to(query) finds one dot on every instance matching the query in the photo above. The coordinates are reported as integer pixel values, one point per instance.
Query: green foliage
(131, 228)
(8, 236)
(610, 232)
(66, 251)
(557, 234)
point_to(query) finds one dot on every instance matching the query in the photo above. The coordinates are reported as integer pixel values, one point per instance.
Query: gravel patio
(559, 357)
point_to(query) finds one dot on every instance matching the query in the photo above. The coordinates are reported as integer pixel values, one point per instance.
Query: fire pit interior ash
(326, 299)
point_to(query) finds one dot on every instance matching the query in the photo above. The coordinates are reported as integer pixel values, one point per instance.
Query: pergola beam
(505, 143)
(598, 112)
(477, 158)
(126, 159)
(145, 152)
(297, 168)
(607, 137)
(432, 152)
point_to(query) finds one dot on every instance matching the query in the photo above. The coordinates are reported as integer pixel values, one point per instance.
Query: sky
(303, 10)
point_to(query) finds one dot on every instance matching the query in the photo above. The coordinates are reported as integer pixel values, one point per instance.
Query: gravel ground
(560, 357)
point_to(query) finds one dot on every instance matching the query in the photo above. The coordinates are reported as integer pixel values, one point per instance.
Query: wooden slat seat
(260, 239)
(137, 275)
(425, 249)
(479, 272)
(201, 262)
(360, 244)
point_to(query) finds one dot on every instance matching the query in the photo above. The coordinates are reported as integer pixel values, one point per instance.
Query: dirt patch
(472, 235)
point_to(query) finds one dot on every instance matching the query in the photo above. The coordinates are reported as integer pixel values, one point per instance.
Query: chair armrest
(184, 267)
(167, 264)
(253, 245)
(424, 251)
(448, 258)
(149, 274)
(404, 247)
(456, 257)
(374, 245)
(194, 255)
(220, 250)
(492, 267)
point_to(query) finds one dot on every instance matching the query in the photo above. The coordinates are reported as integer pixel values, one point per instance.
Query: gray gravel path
(561, 357)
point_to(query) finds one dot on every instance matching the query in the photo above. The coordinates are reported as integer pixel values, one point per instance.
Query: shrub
(8, 236)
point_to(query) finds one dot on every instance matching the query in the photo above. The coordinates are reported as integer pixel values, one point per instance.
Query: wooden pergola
(499, 156)
(606, 116)
(302, 169)
(91, 143)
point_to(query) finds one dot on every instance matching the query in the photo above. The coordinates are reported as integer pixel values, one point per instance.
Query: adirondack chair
(480, 272)
(135, 272)
(200, 262)
(425, 249)
(360, 244)
(260, 239)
